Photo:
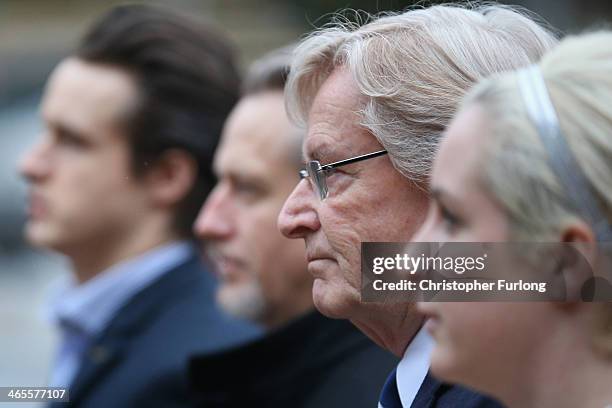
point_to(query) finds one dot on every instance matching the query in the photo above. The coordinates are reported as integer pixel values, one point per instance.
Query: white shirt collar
(414, 366)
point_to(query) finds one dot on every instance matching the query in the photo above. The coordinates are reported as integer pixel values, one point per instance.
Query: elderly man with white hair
(380, 95)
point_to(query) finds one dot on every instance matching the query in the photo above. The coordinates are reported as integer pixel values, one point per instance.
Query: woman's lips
(432, 319)
(431, 325)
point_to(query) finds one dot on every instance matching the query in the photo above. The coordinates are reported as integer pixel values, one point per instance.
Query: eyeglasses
(318, 172)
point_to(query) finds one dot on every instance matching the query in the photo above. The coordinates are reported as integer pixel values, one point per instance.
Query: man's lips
(37, 206)
(227, 261)
(318, 258)
(317, 264)
(226, 266)
(316, 254)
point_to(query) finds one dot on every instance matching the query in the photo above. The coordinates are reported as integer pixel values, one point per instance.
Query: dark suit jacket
(435, 394)
(312, 362)
(140, 360)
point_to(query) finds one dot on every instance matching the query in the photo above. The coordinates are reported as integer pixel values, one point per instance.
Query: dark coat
(435, 394)
(312, 362)
(140, 360)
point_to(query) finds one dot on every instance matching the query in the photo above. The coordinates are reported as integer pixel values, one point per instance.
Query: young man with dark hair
(132, 120)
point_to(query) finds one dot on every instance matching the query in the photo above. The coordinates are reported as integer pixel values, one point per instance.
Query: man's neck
(90, 260)
(289, 309)
(283, 317)
(391, 326)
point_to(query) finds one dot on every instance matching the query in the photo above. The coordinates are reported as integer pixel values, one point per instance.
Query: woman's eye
(450, 220)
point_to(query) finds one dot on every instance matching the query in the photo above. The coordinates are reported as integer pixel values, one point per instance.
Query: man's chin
(35, 234)
(331, 302)
(244, 301)
(39, 235)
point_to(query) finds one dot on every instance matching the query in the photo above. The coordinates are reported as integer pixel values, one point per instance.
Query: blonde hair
(413, 68)
(578, 76)
(518, 174)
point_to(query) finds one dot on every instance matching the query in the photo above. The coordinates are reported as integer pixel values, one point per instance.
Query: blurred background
(35, 35)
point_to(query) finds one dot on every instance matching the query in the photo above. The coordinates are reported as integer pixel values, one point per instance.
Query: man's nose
(35, 164)
(298, 217)
(214, 220)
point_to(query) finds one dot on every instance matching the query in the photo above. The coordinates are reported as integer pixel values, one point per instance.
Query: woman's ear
(171, 178)
(578, 232)
(578, 259)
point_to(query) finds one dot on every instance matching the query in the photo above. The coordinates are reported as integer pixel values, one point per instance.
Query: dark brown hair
(187, 82)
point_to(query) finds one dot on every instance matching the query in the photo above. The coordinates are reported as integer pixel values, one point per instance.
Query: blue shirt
(82, 312)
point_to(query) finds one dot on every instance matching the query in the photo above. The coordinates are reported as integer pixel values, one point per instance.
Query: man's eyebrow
(66, 129)
(317, 151)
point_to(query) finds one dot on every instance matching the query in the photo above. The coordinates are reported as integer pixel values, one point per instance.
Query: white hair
(413, 68)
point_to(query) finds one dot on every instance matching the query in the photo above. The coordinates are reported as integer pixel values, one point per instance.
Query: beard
(244, 301)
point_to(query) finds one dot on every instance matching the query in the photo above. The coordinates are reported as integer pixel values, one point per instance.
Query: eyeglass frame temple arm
(344, 162)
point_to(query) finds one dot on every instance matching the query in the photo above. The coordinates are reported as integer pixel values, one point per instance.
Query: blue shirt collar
(91, 306)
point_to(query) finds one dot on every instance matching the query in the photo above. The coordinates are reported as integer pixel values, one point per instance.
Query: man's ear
(171, 178)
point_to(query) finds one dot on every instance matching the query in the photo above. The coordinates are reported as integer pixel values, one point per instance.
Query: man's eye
(243, 186)
(332, 173)
(246, 188)
(69, 140)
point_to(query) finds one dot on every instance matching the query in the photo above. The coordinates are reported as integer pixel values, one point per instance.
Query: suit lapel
(428, 393)
(436, 394)
(99, 359)
(110, 347)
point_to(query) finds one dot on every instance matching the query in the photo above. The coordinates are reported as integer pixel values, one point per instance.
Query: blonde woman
(529, 158)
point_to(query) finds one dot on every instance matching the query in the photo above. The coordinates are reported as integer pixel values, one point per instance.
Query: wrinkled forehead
(334, 129)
